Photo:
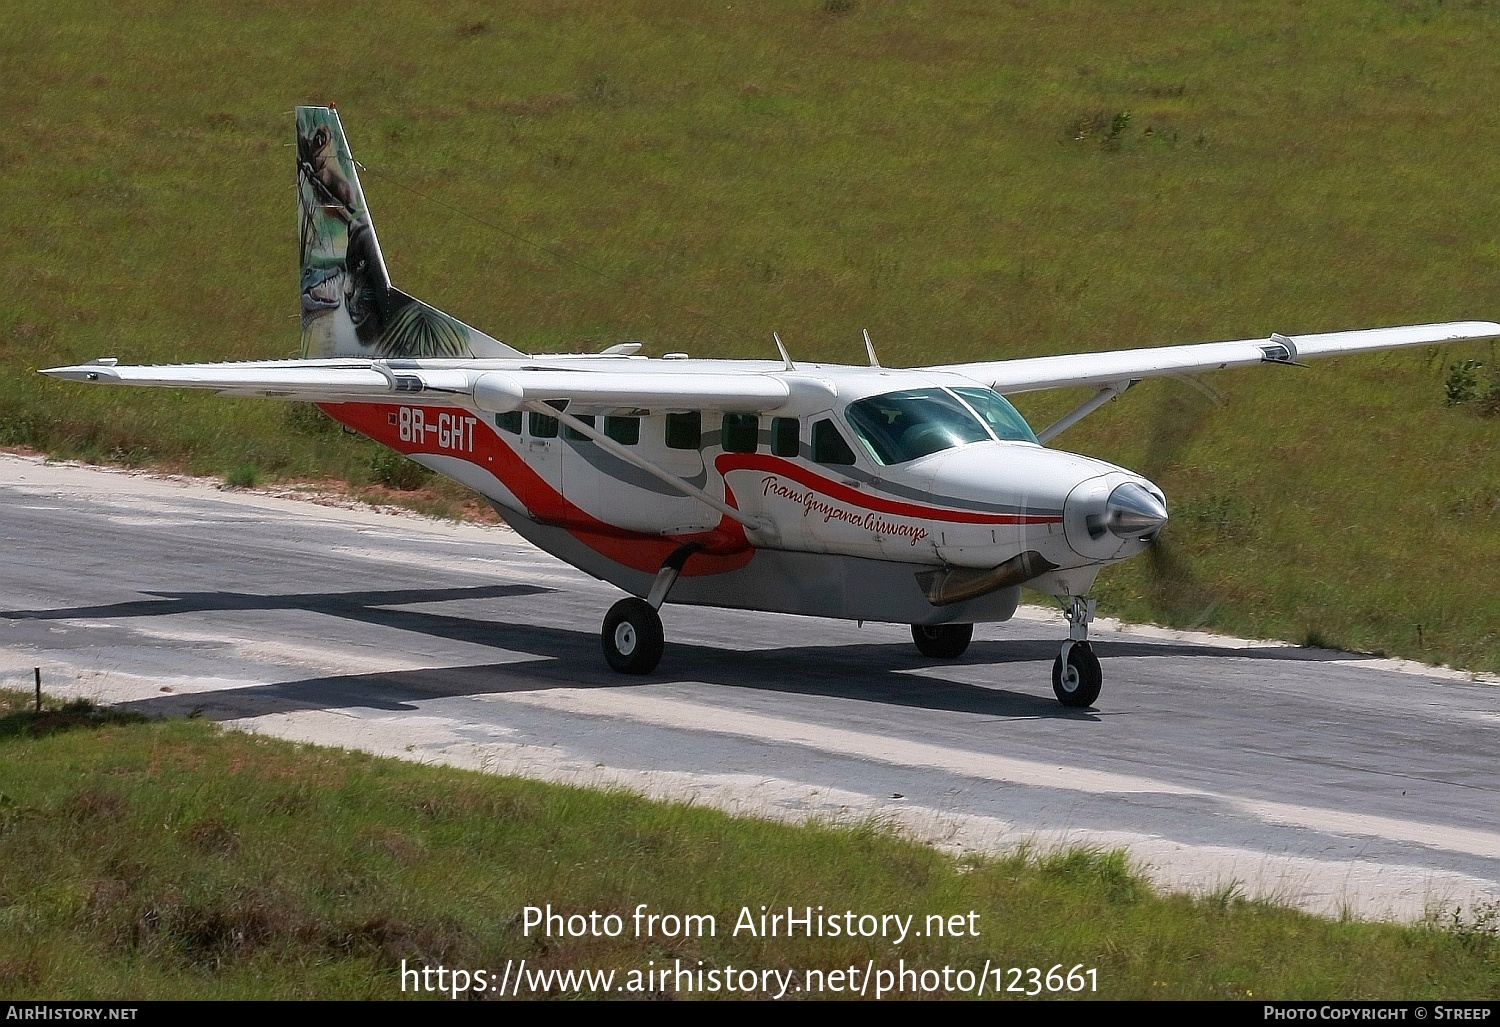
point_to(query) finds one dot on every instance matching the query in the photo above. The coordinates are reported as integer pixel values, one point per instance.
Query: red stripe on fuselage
(864, 500)
(723, 549)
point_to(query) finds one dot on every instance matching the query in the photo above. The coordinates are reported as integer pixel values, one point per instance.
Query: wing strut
(665, 477)
(1082, 410)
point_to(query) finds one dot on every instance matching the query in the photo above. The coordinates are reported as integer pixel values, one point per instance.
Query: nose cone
(1134, 513)
(1113, 516)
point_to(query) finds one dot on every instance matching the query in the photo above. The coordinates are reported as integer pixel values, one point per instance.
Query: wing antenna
(784, 356)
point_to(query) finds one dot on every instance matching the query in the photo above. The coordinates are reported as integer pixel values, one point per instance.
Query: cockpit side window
(828, 445)
(902, 426)
(995, 410)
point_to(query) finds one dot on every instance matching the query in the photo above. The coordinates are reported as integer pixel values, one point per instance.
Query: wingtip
(1471, 327)
(93, 372)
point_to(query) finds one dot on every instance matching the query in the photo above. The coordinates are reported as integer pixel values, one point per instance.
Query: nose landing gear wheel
(632, 637)
(1076, 676)
(942, 641)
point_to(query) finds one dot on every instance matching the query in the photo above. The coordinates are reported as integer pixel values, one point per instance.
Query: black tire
(1084, 689)
(632, 637)
(942, 641)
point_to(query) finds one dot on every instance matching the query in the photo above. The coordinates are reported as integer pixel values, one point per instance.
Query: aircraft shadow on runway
(337, 603)
(550, 657)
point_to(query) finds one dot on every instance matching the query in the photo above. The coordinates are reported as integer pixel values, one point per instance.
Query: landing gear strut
(942, 641)
(1076, 677)
(632, 635)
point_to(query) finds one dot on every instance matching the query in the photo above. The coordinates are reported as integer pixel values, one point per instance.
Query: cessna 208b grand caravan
(916, 496)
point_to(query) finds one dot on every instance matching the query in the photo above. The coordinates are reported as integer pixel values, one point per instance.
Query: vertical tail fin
(349, 307)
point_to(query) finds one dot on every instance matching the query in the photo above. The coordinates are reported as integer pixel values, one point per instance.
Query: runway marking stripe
(1452, 839)
(689, 716)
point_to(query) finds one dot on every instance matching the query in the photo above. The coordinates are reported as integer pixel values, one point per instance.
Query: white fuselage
(829, 499)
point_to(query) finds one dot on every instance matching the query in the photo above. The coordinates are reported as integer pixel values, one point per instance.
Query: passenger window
(784, 435)
(684, 431)
(573, 434)
(624, 430)
(542, 426)
(741, 433)
(828, 445)
(510, 422)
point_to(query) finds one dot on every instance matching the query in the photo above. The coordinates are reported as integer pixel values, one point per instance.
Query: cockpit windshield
(995, 410)
(902, 426)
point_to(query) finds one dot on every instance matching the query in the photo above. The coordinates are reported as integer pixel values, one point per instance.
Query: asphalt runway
(1333, 781)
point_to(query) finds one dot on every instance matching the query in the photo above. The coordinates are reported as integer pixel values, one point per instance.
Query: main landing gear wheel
(1076, 676)
(632, 637)
(942, 641)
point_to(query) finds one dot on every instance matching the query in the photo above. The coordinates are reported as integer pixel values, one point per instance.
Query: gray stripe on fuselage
(892, 488)
(612, 466)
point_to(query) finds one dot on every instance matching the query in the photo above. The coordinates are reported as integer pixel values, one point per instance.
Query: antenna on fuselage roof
(870, 349)
(784, 356)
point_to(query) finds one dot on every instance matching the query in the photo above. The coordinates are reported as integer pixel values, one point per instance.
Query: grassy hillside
(964, 180)
(167, 860)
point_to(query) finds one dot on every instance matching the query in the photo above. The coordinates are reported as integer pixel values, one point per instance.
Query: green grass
(169, 859)
(959, 179)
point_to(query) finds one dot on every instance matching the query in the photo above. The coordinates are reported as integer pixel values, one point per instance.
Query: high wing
(504, 385)
(1120, 367)
(495, 386)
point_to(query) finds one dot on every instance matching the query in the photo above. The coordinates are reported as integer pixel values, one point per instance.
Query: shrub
(1101, 126)
(1463, 381)
(307, 419)
(244, 476)
(395, 471)
(1489, 403)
